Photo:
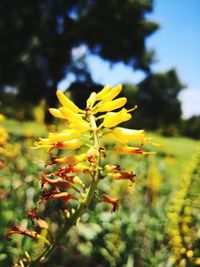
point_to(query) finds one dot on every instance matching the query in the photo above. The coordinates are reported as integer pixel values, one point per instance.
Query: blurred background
(152, 48)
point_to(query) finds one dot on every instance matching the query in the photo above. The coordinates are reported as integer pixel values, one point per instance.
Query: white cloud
(190, 99)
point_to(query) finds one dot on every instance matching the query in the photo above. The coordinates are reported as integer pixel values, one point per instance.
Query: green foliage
(191, 127)
(38, 37)
(157, 97)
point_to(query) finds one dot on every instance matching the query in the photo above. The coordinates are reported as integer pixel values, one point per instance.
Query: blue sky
(177, 45)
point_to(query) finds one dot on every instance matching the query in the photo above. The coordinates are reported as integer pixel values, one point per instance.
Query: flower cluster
(72, 177)
(3, 141)
(181, 228)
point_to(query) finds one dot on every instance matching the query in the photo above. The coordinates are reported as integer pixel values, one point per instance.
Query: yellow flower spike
(100, 95)
(110, 105)
(91, 100)
(112, 93)
(114, 118)
(125, 135)
(66, 102)
(56, 113)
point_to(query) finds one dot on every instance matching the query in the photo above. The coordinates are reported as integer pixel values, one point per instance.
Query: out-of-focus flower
(182, 230)
(2, 117)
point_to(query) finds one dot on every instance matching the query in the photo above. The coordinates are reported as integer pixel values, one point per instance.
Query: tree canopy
(157, 97)
(37, 38)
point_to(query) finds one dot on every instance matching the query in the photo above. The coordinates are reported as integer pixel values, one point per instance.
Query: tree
(191, 127)
(157, 99)
(37, 38)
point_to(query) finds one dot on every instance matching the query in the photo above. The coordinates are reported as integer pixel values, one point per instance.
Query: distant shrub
(191, 127)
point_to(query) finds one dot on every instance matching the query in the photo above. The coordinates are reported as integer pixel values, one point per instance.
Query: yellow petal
(128, 150)
(63, 136)
(113, 118)
(111, 105)
(56, 113)
(125, 135)
(72, 144)
(103, 92)
(69, 114)
(66, 102)
(80, 125)
(91, 100)
(73, 159)
(112, 93)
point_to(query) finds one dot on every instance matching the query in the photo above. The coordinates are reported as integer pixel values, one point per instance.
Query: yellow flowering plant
(5, 147)
(183, 213)
(72, 177)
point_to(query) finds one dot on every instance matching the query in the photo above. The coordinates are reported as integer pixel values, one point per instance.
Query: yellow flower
(124, 135)
(100, 95)
(69, 114)
(56, 113)
(66, 102)
(2, 117)
(3, 135)
(197, 261)
(128, 150)
(63, 136)
(68, 145)
(75, 120)
(190, 253)
(73, 159)
(80, 125)
(111, 94)
(105, 106)
(182, 250)
(113, 118)
(91, 100)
